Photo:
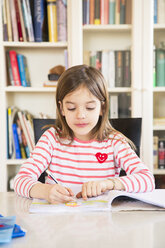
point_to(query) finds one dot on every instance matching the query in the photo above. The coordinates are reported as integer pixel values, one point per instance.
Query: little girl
(82, 149)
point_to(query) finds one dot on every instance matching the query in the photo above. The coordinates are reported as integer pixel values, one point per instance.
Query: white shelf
(108, 27)
(35, 44)
(119, 90)
(15, 161)
(22, 89)
(159, 171)
(159, 128)
(159, 89)
(159, 26)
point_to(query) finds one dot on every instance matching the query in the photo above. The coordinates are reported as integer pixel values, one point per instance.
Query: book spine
(104, 11)
(25, 18)
(16, 141)
(104, 68)
(9, 27)
(18, 21)
(128, 12)
(14, 21)
(30, 20)
(22, 149)
(97, 12)
(4, 19)
(14, 66)
(22, 21)
(99, 60)
(10, 152)
(114, 106)
(122, 11)
(117, 14)
(118, 68)
(21, 70)
(161, 154)
(9, 69)
(91, 11)
(126, 68)
(124, 103)
(27, 74)
(160, 67)
(155, 151)
(52, 20)
(84, 12)
(62, 20)
(112, 8)
(155, 11)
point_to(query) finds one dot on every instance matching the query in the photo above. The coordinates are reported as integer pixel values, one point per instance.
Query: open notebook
(110, 201)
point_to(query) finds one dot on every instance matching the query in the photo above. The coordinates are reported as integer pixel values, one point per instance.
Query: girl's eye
(71, 109)
(90, 108)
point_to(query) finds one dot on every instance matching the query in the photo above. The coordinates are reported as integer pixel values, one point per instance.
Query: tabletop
(82, 230)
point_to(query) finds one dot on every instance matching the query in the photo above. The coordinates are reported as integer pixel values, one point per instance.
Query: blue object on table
(6, 228)
(17, 231)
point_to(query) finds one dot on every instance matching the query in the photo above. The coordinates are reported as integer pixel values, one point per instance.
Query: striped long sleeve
(83, 161)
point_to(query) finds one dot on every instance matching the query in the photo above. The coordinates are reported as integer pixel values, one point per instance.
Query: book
(112, 7)
(104, 11)
(17, 149)
(124, 104)
(127, 68)
(18, 18)
(161, 154)
(52, 20)
(119, 68)
(128, 12)
(28, 5)
(9, 27)
(9, 69)
(14, 67)
(22, 21)
(13, 20)
(110, 201)
(62, 20)
(113, 106)
(160, 67)
(4, 19)
(22, 70)
(117, 12)
(155, 151)
(122, 11)
(91, 11)
(40, 20)
(97, 12)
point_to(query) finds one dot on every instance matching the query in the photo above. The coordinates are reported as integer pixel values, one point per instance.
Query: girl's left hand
(93, 188)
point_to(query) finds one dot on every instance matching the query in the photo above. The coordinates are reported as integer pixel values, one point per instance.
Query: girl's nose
(80, 114)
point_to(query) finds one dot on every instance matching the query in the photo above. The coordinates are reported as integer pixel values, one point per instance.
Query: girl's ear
(61, 108)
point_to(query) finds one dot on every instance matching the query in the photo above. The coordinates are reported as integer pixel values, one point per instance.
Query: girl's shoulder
(117, 138)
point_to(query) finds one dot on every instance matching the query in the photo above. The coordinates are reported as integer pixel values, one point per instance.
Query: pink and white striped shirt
(81, 162)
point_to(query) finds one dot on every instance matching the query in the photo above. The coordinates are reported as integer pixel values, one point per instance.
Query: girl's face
(81, 110)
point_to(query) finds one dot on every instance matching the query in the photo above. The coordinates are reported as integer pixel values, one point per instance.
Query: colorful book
(18, 20)
(104, 11)
(17, 149)
(160, 67)
(91, 11)
(9, 69)
(52, 20)
(13, 20)
(20, 59)
(112, 11)
(62, 20)
(40, 17)
(97, 12)
(14, 67)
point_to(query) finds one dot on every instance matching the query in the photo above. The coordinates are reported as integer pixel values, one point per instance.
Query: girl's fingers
(70, 191)
(84, 192)
(79, 195)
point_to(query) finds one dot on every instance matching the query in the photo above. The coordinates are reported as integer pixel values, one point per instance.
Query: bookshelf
(138, 37)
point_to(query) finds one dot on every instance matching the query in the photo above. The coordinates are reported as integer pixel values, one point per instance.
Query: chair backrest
(130, 127)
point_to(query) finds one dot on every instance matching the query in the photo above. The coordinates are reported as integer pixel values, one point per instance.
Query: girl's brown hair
(90, 77)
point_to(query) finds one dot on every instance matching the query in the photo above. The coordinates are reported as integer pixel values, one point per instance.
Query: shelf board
(159, 171)
(15, 161)
(159, 89)
(159, 128)
(119, 89)
(22, 89)
(35, 44)
(159, 26)
(107, 27)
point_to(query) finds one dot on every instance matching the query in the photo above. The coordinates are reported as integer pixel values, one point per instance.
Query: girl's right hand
(58, 194)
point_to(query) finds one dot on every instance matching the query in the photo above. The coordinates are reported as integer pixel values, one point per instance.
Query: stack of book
(20, 133)
(107, 12)
(114, 65)
(18, 71)
(39, 20)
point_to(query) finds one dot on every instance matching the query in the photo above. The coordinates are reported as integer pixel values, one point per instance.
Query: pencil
(50, 174)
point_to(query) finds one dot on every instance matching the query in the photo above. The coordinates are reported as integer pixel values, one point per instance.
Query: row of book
(20, 133)
(39, 20)
(159, 67)
(159, 152)
(114, 65)
(18, 71)
(107, 12)
(120, 105)
(159, 11)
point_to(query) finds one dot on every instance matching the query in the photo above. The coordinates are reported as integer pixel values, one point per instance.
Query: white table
(136, 229)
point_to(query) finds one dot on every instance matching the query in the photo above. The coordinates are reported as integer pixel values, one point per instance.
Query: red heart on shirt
(101, 157)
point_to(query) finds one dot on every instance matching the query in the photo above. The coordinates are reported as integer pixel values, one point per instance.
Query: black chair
(130, 127)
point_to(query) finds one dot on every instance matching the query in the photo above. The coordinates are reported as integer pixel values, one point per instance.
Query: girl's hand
(94, 188)
(58, 194)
